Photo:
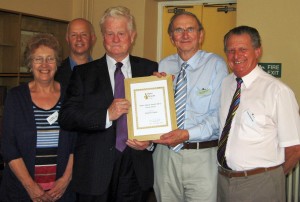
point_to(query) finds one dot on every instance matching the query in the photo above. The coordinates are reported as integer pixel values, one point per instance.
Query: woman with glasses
(37, 153)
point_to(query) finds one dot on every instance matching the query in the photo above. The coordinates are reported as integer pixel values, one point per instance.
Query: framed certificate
(152, 111)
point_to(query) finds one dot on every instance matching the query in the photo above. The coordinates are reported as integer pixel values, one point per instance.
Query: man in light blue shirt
(185, 163)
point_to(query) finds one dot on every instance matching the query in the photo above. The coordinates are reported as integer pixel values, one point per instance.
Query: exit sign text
(272, 68)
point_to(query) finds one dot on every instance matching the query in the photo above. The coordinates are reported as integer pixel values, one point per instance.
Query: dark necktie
(121, 134)
(224, 136)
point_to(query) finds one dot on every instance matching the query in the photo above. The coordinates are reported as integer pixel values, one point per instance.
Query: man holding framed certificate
(107, 166)
(185, 159)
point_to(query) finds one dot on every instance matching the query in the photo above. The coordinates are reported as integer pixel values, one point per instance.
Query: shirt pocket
(253, 125)
(199, 100)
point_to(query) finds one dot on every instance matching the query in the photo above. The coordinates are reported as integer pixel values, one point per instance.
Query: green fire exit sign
(272, 68)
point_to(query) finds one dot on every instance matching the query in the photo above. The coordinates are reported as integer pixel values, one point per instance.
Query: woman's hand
(62, 183)
(37, 194)
(59, 188)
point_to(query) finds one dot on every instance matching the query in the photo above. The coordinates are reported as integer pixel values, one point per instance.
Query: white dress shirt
(266, 121)
(126, 70)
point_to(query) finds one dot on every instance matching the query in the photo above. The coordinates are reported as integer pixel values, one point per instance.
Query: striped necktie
(180, 95)
(121, 131)
(180, 100)
(224, 136)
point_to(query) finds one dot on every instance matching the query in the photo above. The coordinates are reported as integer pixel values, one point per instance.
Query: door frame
(178, 3)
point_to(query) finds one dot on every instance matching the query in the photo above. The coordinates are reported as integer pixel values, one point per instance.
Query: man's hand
(159, 74)
(138, 145)
(162, 74)
(173, 138)
(292, 156)
(117, 108)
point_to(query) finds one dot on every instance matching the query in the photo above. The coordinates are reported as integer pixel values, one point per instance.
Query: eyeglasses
(41, 60)
(180, 31)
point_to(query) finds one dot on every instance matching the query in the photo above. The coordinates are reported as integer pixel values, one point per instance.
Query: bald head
(80, 37)
(81, 21)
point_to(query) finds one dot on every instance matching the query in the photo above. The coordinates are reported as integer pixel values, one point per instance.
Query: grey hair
(118, 11)
(171, 24)
(42, 39)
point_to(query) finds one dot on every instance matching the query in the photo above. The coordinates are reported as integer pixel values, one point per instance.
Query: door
(217, 20)
(168, 12)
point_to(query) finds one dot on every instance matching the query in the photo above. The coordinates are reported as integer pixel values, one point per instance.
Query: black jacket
(88, 97)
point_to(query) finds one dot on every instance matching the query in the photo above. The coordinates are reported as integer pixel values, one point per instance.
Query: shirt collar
(111, 62)
(73, 63)
(192, 61)
(250, 77)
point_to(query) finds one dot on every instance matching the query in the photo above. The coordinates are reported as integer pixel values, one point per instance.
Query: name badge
(249, 118)
(52, 118)
(204, 92)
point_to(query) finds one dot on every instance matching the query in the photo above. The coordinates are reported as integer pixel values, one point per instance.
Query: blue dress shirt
(73, 63)
(204, 77)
